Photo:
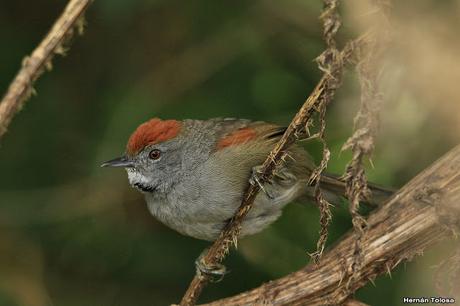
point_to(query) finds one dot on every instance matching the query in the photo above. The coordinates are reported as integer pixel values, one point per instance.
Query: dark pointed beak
(119, 162)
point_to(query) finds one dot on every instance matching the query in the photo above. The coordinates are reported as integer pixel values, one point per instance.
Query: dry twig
(229, 234)
(330, 63)
(361, 143)
(34, 65)
(397, 231)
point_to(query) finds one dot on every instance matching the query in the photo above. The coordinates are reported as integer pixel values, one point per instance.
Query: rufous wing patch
(240, 136)
(151, 132)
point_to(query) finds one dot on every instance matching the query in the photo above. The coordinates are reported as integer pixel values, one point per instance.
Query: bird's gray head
(154, 156)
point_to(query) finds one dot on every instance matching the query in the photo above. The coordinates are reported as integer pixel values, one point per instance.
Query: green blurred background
(72, 233)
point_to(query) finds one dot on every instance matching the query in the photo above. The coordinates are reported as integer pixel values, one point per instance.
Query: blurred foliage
(74, 234)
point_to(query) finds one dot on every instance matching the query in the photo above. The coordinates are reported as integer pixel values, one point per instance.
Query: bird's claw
(214, 272)
(254, 180)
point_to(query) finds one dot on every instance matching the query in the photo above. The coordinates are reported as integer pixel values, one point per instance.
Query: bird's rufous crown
(151, 132)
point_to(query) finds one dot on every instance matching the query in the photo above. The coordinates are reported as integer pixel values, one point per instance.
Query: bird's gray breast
(200, 204)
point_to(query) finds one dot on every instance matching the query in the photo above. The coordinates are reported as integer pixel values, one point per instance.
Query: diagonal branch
(228, 237)
(33, 66)
(423, 212)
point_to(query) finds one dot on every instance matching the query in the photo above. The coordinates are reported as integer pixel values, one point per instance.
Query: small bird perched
(193, 173)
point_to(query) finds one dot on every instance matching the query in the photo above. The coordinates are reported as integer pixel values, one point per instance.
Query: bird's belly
(180, 220)
(210, 230)
(207, 221)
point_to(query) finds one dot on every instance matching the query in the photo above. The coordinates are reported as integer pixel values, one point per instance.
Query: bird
(193, 173)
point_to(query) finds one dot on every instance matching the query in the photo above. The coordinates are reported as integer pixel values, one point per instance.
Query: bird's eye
(155, 154)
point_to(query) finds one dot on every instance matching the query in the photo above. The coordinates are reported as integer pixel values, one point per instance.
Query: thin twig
(361, 143)
(229, 234)
(330, 63)
(34, 65)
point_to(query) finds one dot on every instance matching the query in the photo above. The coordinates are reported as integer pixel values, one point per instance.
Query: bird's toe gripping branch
(255, 180)
(215, 272)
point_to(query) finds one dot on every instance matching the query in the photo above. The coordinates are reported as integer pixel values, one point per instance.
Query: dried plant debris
(323, 204)
(361, 143)
(330, 63)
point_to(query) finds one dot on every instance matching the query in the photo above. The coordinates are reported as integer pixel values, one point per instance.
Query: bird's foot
(282, 177)
(255, 180)
(214, 272)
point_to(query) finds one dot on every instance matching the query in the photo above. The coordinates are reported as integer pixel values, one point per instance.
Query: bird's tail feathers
(333, 188)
